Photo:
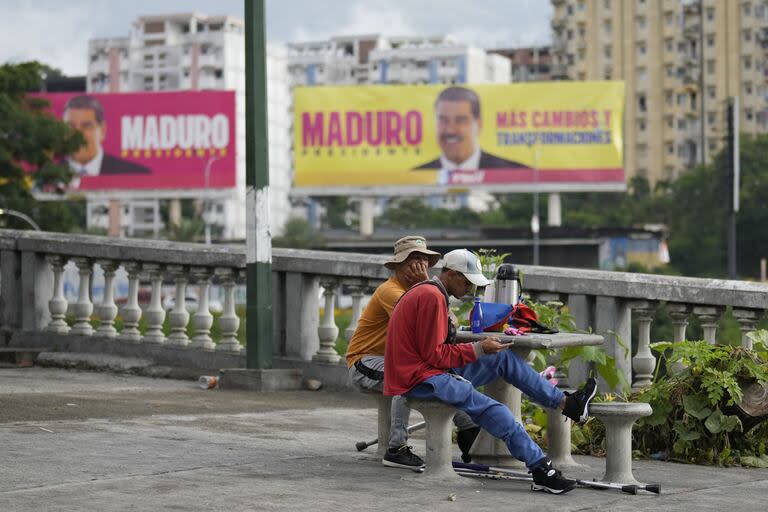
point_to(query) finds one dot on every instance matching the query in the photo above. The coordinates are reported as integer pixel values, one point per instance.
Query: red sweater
(415, 350)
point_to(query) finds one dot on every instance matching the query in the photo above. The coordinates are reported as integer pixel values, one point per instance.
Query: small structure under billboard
(388, 139)
(151, 140)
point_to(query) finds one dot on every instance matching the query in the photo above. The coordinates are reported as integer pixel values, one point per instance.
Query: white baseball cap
(462, 260)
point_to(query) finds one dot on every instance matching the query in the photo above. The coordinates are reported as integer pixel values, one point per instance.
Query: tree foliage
(298, 234)
(30, 139)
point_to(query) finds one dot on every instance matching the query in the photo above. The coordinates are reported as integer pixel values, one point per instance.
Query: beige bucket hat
(409, 244)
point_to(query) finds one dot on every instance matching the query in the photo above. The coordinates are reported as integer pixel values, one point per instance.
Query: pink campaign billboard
(150, 140)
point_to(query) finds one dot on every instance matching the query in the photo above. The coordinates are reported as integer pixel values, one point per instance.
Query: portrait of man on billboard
(459, 123)
(85, 114)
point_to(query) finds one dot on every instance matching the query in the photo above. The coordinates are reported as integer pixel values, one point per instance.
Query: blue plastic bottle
(476, 320)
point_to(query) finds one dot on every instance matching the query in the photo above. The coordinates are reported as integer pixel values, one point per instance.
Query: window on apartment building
(581, 54)
(154, 27)
(218, 73)
(712, 144)
(681, 97)
(607, 50)
(641, 74)
(670, 121)
(711, 66)
(682, 47)
(747, 35)
(748, 88)
(570, 59)
(749, 114)
(186, 72)
(669, 45)
(711, 118)
(582, 76)
(582, 31)
(746, 8)
(569, 35)
(641, 22)
(607, 4)
(711, 40)
(569, 10)
(669, 19)
(641, 49)
(710, 14)
(641, 102)
(747, 62)
(670, 70)
(641, 125)
(215, 27)
(607, 73)
(607, 26)
(711, 92)
(670, 149)
(581, 5)
(669, 97)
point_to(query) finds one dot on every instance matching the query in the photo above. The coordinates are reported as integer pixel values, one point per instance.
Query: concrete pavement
(82, 441)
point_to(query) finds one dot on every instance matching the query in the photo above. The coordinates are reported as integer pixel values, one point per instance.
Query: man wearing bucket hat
(421, 361)
(365, 353)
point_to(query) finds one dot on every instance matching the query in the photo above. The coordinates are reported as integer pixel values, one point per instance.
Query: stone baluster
(58, 303)
(83, 307)
(179, 316)
(202, 320)
(155, 314)
(328, 331)
(747, 319)
(358, 293)
(679, 315)
(131, 312)
(107, 309)
(644, 363)
(229, 321)
(708, 316)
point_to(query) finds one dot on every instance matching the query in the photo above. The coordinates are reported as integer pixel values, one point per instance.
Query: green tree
(298, 234)
(413, 213)
(336, 208)
(31, 140)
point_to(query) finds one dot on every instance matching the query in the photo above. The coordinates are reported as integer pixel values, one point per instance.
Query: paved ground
(78, 441)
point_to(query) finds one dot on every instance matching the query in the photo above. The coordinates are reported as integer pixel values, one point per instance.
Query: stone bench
(384, 404)
(618, 418)
(439, 453)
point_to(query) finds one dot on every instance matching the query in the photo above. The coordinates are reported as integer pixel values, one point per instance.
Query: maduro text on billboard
(490, 136)
(150, 140)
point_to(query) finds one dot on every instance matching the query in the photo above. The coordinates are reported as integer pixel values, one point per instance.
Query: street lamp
(22, 216)
(206, 215)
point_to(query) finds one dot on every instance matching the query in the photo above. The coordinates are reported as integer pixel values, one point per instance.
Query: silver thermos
(507, 284)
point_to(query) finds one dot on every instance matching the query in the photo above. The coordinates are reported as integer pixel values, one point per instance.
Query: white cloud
(55, 35)
(362, 18)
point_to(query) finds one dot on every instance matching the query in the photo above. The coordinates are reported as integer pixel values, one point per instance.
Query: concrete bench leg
(618, 418)
(438, 417)
(559, 435)
(384, 404)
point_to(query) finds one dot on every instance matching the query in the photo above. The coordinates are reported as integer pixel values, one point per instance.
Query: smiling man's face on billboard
(84, 120)
(457, 130)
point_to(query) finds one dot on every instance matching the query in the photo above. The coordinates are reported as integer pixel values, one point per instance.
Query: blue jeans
(496, 418)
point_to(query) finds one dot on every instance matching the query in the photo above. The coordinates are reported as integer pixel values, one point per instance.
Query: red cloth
(415, 350)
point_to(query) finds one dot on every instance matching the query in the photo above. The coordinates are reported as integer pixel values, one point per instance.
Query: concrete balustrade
(605, 302)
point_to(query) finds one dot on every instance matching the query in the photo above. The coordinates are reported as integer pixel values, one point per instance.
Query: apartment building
(375, 59)
(193, 51)
(529, 64)
(681, 61)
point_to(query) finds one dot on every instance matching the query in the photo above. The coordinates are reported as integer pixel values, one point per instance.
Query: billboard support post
(258, 239)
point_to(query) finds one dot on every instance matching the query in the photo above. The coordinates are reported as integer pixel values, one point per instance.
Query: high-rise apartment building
(681, 60)
(375, 59)
(193, 51)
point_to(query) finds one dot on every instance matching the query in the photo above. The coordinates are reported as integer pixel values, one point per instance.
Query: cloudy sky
(56, 32)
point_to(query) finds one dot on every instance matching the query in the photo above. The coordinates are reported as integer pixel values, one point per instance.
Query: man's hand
(491, 345)
(415, 272)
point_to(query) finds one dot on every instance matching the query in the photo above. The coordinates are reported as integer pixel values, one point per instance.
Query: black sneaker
(577, 404)
(465, 439)
(548, 479)
(402, 457)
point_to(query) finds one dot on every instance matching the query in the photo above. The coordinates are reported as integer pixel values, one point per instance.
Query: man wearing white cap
(422, 361)
(365, 353)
